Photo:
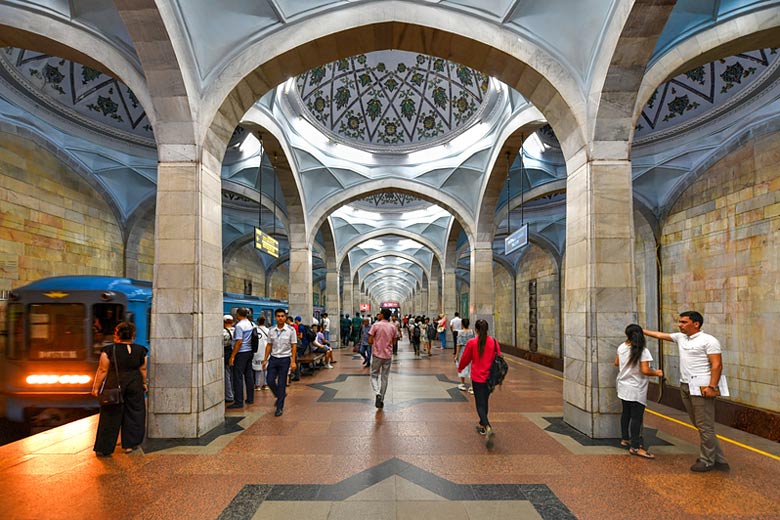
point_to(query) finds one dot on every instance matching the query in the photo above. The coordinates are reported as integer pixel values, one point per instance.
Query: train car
(56, 327)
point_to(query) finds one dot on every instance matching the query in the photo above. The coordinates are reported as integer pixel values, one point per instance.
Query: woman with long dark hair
(634, 359)
(480, 352)
(123, 363)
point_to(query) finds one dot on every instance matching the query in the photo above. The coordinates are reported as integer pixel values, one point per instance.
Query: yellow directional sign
(266, 243)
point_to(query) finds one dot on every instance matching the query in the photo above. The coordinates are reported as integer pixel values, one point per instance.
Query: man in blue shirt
(241, 361)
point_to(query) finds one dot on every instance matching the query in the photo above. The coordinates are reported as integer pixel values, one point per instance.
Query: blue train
(56, 327)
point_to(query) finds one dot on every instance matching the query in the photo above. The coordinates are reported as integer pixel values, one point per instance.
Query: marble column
(300, 290)
(346, 301)
(481, 289)
(599, 292)
(423, 301)
(334, 305)
(449, 294)
(186, 390)
(434, 307)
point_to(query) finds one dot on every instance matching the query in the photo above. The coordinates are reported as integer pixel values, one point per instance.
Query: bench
(310, 361)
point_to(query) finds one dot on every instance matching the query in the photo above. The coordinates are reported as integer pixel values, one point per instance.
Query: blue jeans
(365, 351)
(443, 339)
(276, 378)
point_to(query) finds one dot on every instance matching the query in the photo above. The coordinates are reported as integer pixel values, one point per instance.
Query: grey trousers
(380, 373)
(702, 413)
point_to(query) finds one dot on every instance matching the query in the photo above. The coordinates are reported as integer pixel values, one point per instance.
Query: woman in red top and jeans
(480, 352)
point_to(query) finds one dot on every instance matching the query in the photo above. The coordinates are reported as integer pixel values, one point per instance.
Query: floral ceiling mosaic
(698, 92)
(392, 98)
(83, 93)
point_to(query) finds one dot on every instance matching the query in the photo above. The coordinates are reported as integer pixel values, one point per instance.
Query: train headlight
(58, 379)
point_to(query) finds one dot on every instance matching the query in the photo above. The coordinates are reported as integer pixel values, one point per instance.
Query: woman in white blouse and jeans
(634, 362)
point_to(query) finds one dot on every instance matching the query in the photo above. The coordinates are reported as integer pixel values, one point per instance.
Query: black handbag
(108, 396)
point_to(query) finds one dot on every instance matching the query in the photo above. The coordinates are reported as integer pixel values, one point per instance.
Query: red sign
(365, 307)
(389, 305)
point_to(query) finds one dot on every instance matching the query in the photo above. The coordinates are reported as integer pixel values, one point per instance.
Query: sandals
(625, 443)
(639, 452)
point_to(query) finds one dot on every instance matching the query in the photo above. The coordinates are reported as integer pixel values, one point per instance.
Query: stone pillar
(423, 301)
(346, 301)
(481, 289)
(449, 294)
(186, 395)
(332, 297)
(434, 307)
(599, 292)
(300, 291)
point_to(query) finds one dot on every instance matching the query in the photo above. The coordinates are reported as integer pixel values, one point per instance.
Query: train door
(105, 317)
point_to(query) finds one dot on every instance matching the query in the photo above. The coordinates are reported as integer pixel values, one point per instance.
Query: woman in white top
(634, 362)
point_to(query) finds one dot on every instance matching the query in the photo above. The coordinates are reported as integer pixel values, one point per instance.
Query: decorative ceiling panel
(394, 98)
(79, 93)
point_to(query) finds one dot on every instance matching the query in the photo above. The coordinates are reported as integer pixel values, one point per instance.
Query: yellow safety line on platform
(721, 437)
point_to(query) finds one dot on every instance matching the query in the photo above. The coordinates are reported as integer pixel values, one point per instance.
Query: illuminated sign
(55, 294)
(516, 240)
(365, 307)
(266, 243)
(389, 305)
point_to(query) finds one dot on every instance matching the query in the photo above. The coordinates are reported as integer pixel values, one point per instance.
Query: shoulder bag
(498, 369)
(108, 396)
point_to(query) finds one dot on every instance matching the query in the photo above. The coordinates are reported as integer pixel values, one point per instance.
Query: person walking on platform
(480, 352)
(122, 363)
(280, 358)
(381, 338)
(357, 321)
(464, 335)
(700, 358)
(365, 346)
(346, 325)
(430, 335)
(634, 362)
(455, 326)
(441, 330)
(257, 357)
(241, 361)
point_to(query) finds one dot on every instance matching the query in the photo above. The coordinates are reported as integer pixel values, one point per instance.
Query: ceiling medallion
(393, 98)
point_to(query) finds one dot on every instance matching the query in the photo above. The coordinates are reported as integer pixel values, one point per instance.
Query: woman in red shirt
(480, 352)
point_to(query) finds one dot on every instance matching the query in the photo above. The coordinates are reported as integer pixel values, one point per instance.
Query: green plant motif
(365, 79)
(316, 75)
(353, 125)
(89, 74)
(51, 76)
(342, 64)
(438, 65)
(373, 108)
(678, 106)
(107, 107)
(381, 67)
(391, 84)
(696, 75)
(439, 96)
(401, 68)
(733, 75)
(463, 109)
(407, 108)
(390, 131)
(361, 59)
(342, 97)
(464, 75)
(319, 104)
(429, 126)
(651, 101)
(133, 100)
(421, 59)
(417, 79)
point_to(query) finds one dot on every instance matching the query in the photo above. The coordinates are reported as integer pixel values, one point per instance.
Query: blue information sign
(516, 240)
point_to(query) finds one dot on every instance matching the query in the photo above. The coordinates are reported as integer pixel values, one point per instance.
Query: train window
(15, 345)
(56, 331)
(105, 317)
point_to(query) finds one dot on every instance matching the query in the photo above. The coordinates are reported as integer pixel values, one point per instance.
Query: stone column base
(593, 424)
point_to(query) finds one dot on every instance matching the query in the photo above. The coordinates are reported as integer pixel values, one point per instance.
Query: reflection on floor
(334, 455)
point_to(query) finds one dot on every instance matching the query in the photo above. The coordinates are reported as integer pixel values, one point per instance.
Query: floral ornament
(342, 64)
(439, 97)
(464, 75)
(51, 77)
(417, 79)
(391, 84)
(342, 97)
(361, 59)
(107, 107)
(696, 74)
(89, 74)
(365, 79)
(316, 75)
(373, 108)
(381, 67)
(430, 126)
(734, 75)
(352, 125)
(401, 68)
(678, 106)
(319, 104)
(390, 131)
(438, 65)
(421, 59)
(408, 108)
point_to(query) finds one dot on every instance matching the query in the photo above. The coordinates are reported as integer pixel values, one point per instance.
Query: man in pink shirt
(381, 338)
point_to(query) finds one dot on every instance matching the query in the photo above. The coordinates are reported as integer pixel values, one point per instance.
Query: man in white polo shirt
(280, 356)
(700, 355)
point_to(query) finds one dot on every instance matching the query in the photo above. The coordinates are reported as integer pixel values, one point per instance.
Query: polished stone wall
(244, 265)
(503, 284)
(539, 265)
(52, 222)
(139, 257)
(279, 283)
(721, 256)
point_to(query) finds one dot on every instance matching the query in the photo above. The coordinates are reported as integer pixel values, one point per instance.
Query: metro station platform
(334, 455)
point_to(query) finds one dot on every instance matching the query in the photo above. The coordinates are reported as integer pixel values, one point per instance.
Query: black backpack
(254, 340)
(416, 332)
(498, 370)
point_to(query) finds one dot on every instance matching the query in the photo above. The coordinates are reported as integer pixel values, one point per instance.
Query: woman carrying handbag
(122, 366)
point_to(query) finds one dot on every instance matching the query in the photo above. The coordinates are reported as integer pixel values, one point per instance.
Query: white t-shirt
(693, 354)
(282, 341)
(262, 341)
(631, 382)
(325, 324)
(243, 331)
(455, 324)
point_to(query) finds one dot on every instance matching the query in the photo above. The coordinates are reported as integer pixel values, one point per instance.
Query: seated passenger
(321, 345)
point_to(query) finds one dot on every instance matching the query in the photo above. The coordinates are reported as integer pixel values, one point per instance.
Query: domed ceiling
(706, 92)
(78, 92)
(390, 98)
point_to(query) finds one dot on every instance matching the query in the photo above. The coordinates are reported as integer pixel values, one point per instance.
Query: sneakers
(378, 402)
(489, 437)
(702, 467)
(278, 412)
(462, 387)
(235, 405)
(481, 430)
(328, 366)
(722, 466)
(471, 391)
(264, 387)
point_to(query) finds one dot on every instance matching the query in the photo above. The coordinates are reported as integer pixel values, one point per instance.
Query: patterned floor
(334, 455)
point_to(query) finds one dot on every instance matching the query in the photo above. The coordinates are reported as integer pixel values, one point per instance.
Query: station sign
(365, 307)
(389, 305)
(516, 240)
(266, 243)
